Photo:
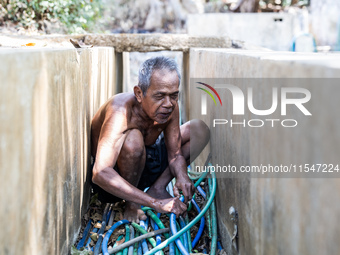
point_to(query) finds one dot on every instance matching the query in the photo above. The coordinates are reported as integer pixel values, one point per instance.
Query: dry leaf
(97, 225)
(96, 217)
(94, 237)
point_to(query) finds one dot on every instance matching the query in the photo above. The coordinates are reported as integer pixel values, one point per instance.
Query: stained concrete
(48, 100)
(276, 215)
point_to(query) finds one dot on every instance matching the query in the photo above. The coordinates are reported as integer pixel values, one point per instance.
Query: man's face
(162, 95)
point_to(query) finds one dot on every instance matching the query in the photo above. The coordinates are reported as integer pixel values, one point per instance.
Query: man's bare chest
(151, 135)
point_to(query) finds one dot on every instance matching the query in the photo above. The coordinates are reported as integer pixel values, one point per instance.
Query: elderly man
(137, 142)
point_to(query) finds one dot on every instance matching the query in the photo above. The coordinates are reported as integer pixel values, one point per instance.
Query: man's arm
(177, 162)
(110, 142)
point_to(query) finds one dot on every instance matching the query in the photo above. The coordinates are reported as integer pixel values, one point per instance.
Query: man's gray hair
(149, 66)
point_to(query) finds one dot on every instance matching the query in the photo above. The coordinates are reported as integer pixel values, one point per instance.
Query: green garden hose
(192, 223)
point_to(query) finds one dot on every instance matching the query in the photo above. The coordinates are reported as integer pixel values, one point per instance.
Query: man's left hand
(184, 185)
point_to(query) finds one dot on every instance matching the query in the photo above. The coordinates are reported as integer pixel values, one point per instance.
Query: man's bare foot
(159, 193)
(133, 213)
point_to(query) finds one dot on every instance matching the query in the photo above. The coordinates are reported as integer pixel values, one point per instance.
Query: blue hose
(158, 237)
(108, 216)
(201, 191)
(173, 228)
(194, 221)
(140, 250)
(95, 230)
(144, 224)
(85, 233)
(219, 246)
(96, 249)
(132, 236)
(174, 232)
(185, 236)
(201, 228)
(176, 235)
(172, 249)
(109, 233)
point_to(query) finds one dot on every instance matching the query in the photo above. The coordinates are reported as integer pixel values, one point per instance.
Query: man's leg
(131, 161)
(200, 133)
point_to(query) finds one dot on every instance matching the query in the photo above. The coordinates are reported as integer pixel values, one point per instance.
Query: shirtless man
(130, 152)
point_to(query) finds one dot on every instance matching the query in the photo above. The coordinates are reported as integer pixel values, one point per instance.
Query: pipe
(85, 233)
(183, 239)
(155, 227)
(192, 223)
(109, 214)
(172, 249)
(219, 246)
(109, 233)
(132, 236)
(201, 179)
(184, 232)
(136, 245)
(143, 231)
(190, 204)
(170, 188)
(201, 191)
(201, 228)
(100, 238)
(174, 232)
(127, 238)
(144, 225)
(188, 232)
(137, 239)
(193, 177)
(185, 248)
(208, 213)
(111, 219)
(140, 249)
(185, 236)
(213, 223)
(115, 245)
(158, 222)
(87, 246)
(97, 247)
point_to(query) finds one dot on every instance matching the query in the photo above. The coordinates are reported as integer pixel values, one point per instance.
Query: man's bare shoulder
(118, 104)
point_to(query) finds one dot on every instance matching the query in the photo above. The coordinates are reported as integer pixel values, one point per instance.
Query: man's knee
(133, 146)
(199, 129)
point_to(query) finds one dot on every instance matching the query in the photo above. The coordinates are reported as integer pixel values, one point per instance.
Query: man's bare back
(127, 123)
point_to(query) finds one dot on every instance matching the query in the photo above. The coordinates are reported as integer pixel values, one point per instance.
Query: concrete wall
(270, 30)
(276, 215)
(48, 98)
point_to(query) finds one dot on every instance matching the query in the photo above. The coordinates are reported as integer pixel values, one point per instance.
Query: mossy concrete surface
(48, 97)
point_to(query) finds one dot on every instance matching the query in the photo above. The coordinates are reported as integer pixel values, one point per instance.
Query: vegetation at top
(76, 15)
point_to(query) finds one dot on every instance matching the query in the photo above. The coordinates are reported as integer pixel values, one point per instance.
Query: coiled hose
(210, 205)
(192, 223)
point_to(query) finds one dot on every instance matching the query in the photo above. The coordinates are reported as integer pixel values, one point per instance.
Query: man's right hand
(170, 205)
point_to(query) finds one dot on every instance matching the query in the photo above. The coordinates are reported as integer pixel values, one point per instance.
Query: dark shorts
(155, 164)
